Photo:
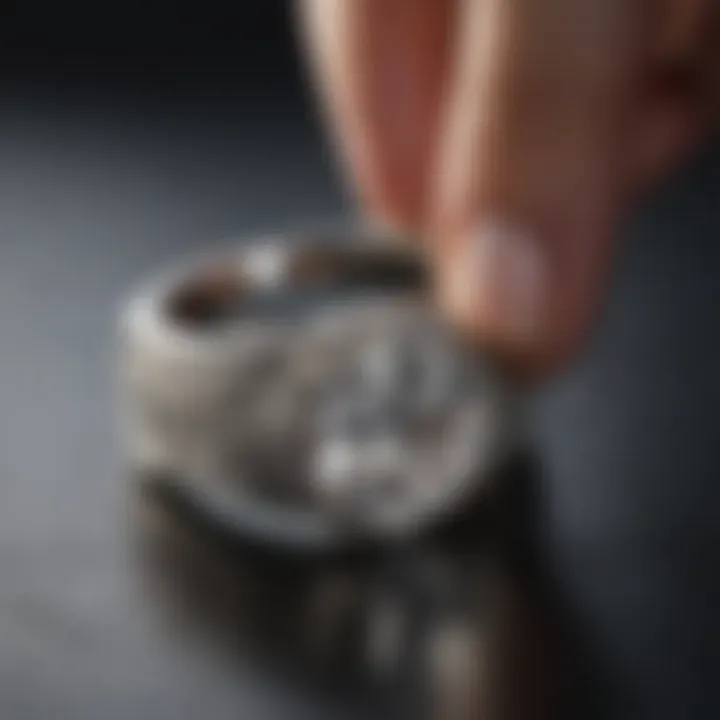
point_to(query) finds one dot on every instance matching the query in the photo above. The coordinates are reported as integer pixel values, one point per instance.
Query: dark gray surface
(93, 198)
(94, 195)
(632, 443)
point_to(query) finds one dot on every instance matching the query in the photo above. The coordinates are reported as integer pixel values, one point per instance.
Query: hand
(512, 135)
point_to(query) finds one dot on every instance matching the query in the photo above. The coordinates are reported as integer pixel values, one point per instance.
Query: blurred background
(131, 134)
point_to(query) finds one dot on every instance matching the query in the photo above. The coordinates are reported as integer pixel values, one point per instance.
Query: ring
(304, 391)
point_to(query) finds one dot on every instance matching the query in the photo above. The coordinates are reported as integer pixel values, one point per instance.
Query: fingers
(689, 42)
(671, 121)
(709, 61)
(518, 124)
(529, 183)
(683, 25)
(380, 66)
(679, 107)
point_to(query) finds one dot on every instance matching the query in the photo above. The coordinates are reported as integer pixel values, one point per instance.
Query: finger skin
(380, 68)
(672, 122)
(684, 23)
(531, 113)
(536, 114)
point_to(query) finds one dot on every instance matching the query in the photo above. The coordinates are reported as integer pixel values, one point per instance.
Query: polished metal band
(302, 390)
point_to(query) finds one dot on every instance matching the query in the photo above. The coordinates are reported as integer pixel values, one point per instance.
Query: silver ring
(304, 391)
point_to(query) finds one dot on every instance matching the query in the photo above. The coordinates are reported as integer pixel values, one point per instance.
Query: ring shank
(187, 359)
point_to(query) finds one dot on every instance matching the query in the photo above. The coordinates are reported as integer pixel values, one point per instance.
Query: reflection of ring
(305, 392)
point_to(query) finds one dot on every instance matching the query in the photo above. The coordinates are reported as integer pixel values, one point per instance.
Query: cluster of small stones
(366, 411)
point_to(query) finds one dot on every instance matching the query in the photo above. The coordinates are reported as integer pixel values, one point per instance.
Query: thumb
(528, 190)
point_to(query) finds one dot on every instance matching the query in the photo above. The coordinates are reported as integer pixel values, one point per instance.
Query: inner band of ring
(312, 264)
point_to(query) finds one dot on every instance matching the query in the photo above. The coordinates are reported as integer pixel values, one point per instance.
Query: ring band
(303, 391)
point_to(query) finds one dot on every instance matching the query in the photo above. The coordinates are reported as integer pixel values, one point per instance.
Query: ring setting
(306, 390)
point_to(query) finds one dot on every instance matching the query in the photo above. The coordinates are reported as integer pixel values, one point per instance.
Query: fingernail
(498, 283)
